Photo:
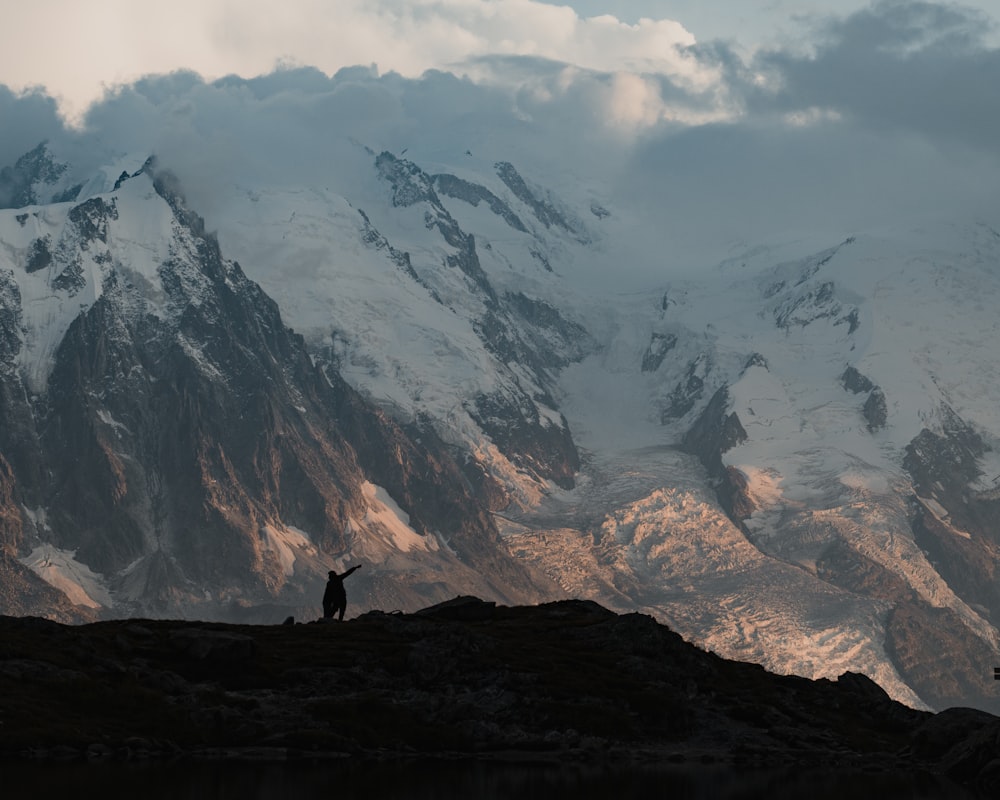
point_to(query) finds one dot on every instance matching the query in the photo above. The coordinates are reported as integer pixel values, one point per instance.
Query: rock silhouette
(466, 678)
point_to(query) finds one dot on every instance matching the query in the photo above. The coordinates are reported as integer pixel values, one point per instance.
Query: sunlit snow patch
(60, 569)
(388, 518)
(283, 542)
(763, 483)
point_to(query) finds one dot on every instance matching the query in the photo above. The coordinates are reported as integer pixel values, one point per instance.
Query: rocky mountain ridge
(566, 681)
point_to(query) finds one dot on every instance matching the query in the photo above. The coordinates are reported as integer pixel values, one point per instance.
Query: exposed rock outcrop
(854, 381)
(876, 412)
(462, 679)
(543, 208)
(474, 194)
(945, 663)
(659, 345)
(180, 423)
(714, 432)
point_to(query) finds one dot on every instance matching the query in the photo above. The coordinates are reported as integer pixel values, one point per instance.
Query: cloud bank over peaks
(922, 67)
(881, 116)
(112, 42)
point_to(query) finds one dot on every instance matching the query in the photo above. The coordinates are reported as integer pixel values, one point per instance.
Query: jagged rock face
(521, 332)
(191, 447)
(800, 296)
(855, 382)
(953, 524)
(659, 345)
(709, 437)
(716, 431)
(22, 592)
(410, 186)
(688, 391)
(173, 452)
(933, 649)
(967, 562)
(947, 459)
(17, 182)
(474, 194)
(810, 305)
(876, 411)
(19, 449)
(940, 657)
(544, 326)
(182, 422)
(10, 319)
(541, 447)
(11, 527)
(373, 238)
(842, 564)
(544, 210)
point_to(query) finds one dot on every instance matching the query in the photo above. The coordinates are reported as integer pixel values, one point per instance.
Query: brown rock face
(940, 658)
(711, 435)
(166, 444)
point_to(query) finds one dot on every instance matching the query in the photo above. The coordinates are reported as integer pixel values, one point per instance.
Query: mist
(883, 118)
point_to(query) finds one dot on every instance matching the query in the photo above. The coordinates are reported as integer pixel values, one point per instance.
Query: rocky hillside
(566, 680)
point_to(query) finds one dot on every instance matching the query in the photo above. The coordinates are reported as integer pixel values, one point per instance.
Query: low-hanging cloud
(899, 66)
(883, 116)
(113, 42)
(25, 119)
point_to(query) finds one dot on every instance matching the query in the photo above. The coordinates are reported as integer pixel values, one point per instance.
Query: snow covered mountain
(170, 447)
(825, 488)
(429, 364)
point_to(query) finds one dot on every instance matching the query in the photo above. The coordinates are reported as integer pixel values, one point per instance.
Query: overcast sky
(77, 49)
(724, 118)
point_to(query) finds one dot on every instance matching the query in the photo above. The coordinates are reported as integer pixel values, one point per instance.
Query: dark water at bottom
(451, 781)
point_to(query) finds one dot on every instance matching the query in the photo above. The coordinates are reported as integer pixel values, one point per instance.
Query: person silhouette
(335, 596)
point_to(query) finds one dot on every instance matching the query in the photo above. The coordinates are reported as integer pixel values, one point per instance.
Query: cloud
(885, 117)
(26, 118)
(899, 66)
(712, 188)
(882, 116)
(105, 43)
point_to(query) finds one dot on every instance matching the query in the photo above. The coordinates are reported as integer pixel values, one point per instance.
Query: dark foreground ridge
(567, 680)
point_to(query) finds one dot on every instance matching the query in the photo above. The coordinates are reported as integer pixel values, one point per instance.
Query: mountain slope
(179, 446)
